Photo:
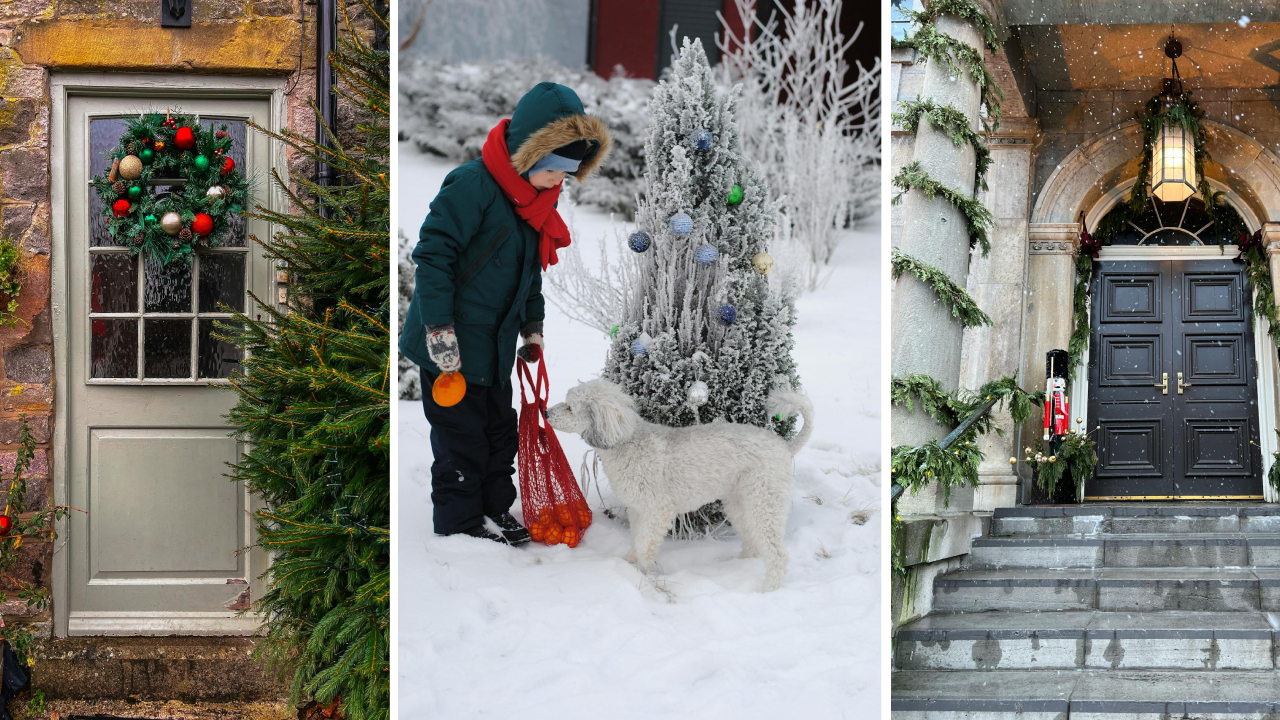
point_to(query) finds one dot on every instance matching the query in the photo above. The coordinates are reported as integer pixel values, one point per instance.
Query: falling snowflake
(1243, 21)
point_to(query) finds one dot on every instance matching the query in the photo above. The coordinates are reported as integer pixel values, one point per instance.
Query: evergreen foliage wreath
(155, 148)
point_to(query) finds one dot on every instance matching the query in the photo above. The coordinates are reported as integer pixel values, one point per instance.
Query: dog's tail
(787, 404)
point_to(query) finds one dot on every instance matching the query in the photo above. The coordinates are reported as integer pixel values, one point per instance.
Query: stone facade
(39, 37)
(1073, 80)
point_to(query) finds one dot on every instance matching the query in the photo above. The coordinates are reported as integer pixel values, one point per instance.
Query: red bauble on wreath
(120, 208)
(202, 224)
(227, 166)
(6, 524)
(184, 138)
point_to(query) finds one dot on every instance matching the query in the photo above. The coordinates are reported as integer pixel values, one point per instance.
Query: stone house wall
(40, 37)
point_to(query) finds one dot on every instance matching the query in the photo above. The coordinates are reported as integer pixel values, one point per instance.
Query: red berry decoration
(228, 166)
(120, 208)
(6, 524)
(184, 138)
(202, 224)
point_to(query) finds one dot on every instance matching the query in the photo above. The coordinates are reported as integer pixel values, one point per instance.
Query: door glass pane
(98, 235)
(114, 348)
(104, 134)
(167, 288)
(218, 358)
(238, 130)
(167, 348)
(221, 282)
(113, 283)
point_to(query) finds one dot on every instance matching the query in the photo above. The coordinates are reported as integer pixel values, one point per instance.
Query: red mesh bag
(554, 509)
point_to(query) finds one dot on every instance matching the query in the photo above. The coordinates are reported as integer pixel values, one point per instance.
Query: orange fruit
(553, 535)
(544, 516)
(449, 389)
(584, 518)
(535, 531)
(571, 537)
(563, 515)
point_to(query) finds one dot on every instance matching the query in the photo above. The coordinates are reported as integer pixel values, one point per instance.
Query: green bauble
(147, 156)
(202, 163)
(735, 195)
(149, 220)
(135, 192)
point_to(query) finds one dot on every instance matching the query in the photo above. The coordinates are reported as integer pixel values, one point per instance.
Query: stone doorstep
(1092, 691)
(171, 710)
(205, 669)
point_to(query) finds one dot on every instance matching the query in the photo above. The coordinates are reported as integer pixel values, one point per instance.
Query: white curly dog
(660, 472)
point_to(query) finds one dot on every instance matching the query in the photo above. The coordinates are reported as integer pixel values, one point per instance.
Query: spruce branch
(954, 297)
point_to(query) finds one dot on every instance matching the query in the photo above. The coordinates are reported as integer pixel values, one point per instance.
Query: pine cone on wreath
(137, 239)
(133, 148)
(184, 235)
(221, 134)
(119, 188)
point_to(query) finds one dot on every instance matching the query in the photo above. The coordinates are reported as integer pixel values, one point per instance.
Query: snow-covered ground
(551, 632)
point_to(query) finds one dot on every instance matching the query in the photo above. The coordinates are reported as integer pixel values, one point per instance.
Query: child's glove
(531, 350)
(442, 346)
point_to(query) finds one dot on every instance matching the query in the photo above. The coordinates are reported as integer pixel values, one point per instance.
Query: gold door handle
(1164, 385)
(1181, 384)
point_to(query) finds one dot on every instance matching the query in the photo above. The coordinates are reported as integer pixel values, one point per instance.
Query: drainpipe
(326, 40)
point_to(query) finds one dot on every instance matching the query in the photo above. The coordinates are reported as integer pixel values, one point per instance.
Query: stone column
(1050, 289)
(925, 338)
(997, 284)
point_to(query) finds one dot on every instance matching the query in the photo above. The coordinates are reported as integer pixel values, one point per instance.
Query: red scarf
(537, 207)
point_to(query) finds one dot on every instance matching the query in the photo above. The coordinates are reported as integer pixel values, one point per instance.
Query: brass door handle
(1164, 386)
(1181, 384)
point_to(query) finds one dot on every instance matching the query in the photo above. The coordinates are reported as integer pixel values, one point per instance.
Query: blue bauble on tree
(702, 139)
(728, 314)
(681, 224)
(639, 241)
(707, 255)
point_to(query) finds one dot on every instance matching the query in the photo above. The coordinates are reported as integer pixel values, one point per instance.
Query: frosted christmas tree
(703, 337)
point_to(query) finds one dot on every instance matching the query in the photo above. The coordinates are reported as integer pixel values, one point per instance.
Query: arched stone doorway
(1088, 183)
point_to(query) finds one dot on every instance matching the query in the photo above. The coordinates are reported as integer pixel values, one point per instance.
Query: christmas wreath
(154, 150)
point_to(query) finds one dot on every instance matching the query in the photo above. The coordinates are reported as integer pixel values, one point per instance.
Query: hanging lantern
(1173, 164)
(1173, 154)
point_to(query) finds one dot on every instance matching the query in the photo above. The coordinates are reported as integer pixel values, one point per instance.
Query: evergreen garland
(977, 218)
(1079, 341)
(954, 297)
(1076, 457)
(314, 395)
(966, 9)
(1254, 257)
(958, 57)
(954, 124)
(957, 465)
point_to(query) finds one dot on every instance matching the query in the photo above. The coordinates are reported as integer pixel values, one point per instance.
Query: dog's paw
(771, 584)
(630, 556)
(748, 552)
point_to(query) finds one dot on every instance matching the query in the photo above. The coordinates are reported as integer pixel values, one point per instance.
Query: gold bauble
(762, 262)
(130, 167)
(215, 191)
(171, 223)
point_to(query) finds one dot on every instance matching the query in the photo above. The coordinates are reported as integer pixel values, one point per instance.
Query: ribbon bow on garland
(207, 188)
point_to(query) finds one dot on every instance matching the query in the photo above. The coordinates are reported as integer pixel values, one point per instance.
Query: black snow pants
(474, 444)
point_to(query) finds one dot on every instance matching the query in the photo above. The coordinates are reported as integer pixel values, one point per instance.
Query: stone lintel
(1054, 238)
(264, 46)
(1016, 131)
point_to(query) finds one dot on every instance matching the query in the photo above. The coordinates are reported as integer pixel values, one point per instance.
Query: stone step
(1109, 589)
(1126, 551)
(1089, 640)
(1117, 519)
(1084, 694)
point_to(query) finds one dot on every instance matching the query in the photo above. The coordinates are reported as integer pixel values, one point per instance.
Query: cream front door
(163, 546)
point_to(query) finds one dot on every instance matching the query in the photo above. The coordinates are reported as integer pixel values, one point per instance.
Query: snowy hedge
(448, 110)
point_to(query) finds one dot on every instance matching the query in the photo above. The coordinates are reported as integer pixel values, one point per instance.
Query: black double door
(1173, 381)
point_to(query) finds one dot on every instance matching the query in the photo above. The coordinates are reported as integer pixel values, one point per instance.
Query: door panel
(1189, 321)
(161, 548)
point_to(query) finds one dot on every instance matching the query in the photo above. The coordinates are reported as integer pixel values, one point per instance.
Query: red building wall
(626, 35)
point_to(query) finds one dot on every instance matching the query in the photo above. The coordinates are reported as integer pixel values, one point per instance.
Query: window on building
(1172, 223)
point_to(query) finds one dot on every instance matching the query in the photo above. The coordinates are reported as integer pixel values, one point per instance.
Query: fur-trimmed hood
(549, 116)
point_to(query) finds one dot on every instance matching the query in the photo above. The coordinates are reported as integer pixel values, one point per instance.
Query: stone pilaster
(998, 284)
(925, 338)
(1051, 282)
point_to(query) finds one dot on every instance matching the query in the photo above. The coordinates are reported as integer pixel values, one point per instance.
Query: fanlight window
(1174, 223)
